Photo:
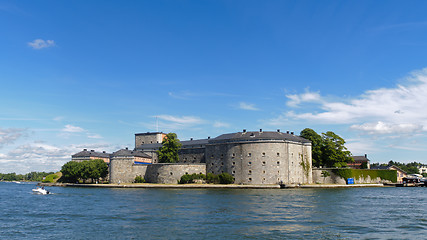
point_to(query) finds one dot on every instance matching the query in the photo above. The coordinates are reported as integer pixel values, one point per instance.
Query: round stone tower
(261, 157)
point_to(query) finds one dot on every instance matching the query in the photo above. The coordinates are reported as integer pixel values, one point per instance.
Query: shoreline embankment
(207, 186)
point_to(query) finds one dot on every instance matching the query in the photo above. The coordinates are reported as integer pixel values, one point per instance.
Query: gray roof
(91, 153)
(387, 168)
(149, 146)
(185, 144)
(149, 133)
(258, 135)
(360, 158)
(130, 153)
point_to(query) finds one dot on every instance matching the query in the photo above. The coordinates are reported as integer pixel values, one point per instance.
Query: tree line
(73, 171)
(31, 177)
(409, 168)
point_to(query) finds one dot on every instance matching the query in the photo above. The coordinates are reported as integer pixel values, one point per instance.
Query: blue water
(90, 213)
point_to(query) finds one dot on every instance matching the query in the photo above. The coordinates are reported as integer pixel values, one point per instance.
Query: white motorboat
(41, 191)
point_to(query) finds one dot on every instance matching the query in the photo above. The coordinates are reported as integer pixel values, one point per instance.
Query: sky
(91, 74)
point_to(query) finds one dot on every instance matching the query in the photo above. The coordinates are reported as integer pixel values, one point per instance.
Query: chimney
(278, 130)
(191, 139)
(244, 130)
(127, 148)
(292, 133)
(103, 151)
(92, 150)
(366, 155)
(287, 132)
(209, 137)
(260, 130)
(85, 149)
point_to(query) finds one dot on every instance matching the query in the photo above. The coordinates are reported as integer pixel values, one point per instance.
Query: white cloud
(169, 122)
(35, 156)
(181, 120)
(218, 124)
(388, 128)
(247, 106)
(40, 43)
(381, 111)
(10, 135)
(297, 99)
(58, 119)
(72, 129)
(41, 156)
(94, 136)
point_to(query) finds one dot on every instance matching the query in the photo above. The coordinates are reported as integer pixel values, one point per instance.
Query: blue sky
(91, 74)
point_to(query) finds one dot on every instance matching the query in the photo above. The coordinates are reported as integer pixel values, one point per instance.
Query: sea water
(107, 213)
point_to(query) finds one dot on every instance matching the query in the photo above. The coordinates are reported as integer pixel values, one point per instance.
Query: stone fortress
(251, 157)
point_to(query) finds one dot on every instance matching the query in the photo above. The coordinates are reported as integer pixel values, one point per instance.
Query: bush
(50, 178)
(212, 178)
(139, 179)
(187, 178)
(225, 178)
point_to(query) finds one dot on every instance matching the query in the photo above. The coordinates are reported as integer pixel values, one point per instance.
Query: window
(278, 154)
(222, 155)
(250, 179)
(234, 163)
(250, 171)
(222, 164)
(212, 164)
(212, 156)
(278, 162)
(233, 155)
(171, 173)
(263, 172)
(263, 163)
(234, 172)
(249, 163)
(249, 154)
(263, 154)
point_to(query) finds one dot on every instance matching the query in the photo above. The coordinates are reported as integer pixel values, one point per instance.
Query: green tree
(334, 153)
(316, 145)
(168, 153)
(93, 169)
(71, 172)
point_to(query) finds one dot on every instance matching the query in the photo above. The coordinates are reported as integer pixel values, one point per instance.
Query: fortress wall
(335, 179)
(259, 162)
(300, 163)
(171, 172)
(121, 170)
(139, 170)
(192, 155)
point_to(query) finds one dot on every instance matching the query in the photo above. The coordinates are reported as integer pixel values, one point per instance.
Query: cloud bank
(401, 109)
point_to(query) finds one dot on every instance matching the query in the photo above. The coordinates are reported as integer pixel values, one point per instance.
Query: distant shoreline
(206, 186)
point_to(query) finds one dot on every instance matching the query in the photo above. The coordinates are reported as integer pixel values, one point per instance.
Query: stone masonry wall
(123, 170)
(260, 162)
(192, 155)
(171, 172)
(335, 179)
